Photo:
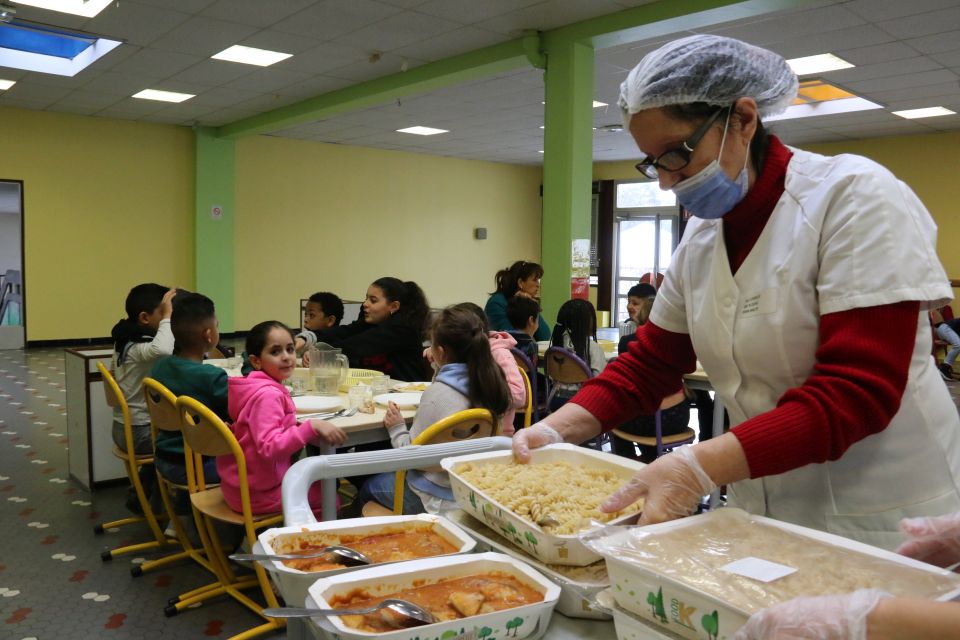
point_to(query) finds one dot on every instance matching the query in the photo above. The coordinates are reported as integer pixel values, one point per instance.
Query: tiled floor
(52, 581)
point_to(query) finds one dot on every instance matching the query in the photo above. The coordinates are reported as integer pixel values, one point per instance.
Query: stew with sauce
(383, 546)
(446, 600)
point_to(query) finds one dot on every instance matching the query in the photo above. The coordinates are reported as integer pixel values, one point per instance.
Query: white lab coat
(845, 234)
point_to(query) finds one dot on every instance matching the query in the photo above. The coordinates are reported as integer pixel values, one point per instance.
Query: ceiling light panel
(163, 96)
(422, 131)
(86, 8)
(928, 112)
(251, 55)
(820, 63)
(6, 84)
(597, 104)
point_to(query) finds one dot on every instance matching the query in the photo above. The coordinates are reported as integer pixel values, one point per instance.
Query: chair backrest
(525, 364)
(115, 399)
(162, 406)
(205, 434)
(527, 410)
(463, 425)
(565, 366)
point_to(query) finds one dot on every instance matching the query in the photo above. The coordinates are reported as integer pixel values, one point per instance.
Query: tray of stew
(384, 540)
(485, 595)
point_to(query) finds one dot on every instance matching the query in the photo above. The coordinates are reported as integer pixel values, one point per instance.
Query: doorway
(12, 316)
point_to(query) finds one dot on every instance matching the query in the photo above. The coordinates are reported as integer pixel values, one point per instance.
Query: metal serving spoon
(346, 553)
(414, 613)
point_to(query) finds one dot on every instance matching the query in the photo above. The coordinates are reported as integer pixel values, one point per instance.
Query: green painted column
(214, 214)
(567, 166)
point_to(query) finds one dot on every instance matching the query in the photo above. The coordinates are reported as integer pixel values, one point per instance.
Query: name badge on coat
(759, 304)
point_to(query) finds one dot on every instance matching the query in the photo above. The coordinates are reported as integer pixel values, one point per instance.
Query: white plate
(311, 404)
(402, 386)
(403, 400)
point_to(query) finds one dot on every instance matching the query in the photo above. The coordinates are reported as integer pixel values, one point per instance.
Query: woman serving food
(801, 285)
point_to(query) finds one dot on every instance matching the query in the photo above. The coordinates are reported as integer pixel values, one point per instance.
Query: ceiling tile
(924, 24)
(30, 91)
(933, 91)
(906, 81)
(279, 41)
(321, 59)
(547, 15)
(131, 108)
(268, 80)
(136, 23)
(8, 100)
(314, 86)
(115, 82)
(184, 6)
(399, 30)
(225, 97)
(470, 11)
(936, 43)
(906, 66)
(451, 43)
(948, 58)
(256, 13)
(66, 107)
(90, 99)
(830, 41)
(334, 18)
(793, 24)
(363, 70)
(213, 73)
(225, 116)
(156, 63)
(203, 36)
(876, 54)
(876, 10)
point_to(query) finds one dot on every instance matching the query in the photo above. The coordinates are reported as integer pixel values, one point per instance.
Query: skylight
(251, 55)
(86, 8)
(50, 50)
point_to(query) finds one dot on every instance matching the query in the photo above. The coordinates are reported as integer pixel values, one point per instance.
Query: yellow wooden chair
(205, 434)
(528, 410)
(463, 425)
(132, 462)
(164, 416)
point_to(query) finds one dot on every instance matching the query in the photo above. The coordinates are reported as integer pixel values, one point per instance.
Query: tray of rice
(383, 539)
(703, 576)
(484, 595)
(562, 482)
(578, 585)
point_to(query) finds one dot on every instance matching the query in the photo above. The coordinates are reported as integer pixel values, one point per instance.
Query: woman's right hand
(672, 486)
(533, 437)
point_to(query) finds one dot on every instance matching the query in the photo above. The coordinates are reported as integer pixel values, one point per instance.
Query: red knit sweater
(854, 391)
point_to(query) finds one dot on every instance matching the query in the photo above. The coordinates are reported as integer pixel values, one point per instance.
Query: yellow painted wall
(929, 164)
(107, 204)
(313, 216)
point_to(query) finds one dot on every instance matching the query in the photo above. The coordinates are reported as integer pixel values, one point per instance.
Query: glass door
(647, 228)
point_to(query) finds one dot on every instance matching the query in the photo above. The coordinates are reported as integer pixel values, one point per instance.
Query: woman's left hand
(833, 617)
(672, 485)
(393, 418)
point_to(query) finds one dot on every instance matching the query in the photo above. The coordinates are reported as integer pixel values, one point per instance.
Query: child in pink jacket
(265, 422)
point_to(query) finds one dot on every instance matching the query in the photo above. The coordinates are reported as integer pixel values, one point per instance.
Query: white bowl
(313, 404)
(387, 579)
(402, 400)
(293, 583)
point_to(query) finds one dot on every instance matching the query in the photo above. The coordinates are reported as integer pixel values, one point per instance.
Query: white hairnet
(711, 69)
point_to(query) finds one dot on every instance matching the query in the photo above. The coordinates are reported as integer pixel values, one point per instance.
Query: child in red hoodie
(265, 422)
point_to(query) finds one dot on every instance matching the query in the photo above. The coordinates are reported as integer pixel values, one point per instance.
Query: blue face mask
(710, 193)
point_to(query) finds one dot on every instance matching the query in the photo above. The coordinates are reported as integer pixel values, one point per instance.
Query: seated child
(139, 340)
(635, 297)
(324, 311)
(523, 314)
(500, 344)
(194, 323)
(468, 377)
(576, 330)
(265, 422)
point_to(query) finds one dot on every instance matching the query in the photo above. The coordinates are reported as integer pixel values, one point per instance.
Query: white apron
(845, 234)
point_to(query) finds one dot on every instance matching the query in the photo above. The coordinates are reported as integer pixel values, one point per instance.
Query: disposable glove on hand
(672, 485)
(833, 617)
(933, 540)
(533, 437)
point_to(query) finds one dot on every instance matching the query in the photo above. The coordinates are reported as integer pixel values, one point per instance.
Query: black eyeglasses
(679, 157)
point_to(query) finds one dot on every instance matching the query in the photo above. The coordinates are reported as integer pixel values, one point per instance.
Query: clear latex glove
(533, 437)
(833, 617)
(933, 540)
(672, 485)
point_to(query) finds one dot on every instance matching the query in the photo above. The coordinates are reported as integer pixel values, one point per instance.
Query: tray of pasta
(563, 483)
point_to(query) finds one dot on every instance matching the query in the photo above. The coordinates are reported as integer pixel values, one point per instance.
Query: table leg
(329, 487)
(718, 414)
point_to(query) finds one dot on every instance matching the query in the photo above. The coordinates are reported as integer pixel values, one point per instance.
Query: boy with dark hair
(523, 314)
(635, 297)
(324, 310)
(194, 324)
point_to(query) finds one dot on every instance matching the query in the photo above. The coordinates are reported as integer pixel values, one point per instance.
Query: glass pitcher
(328, 370)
